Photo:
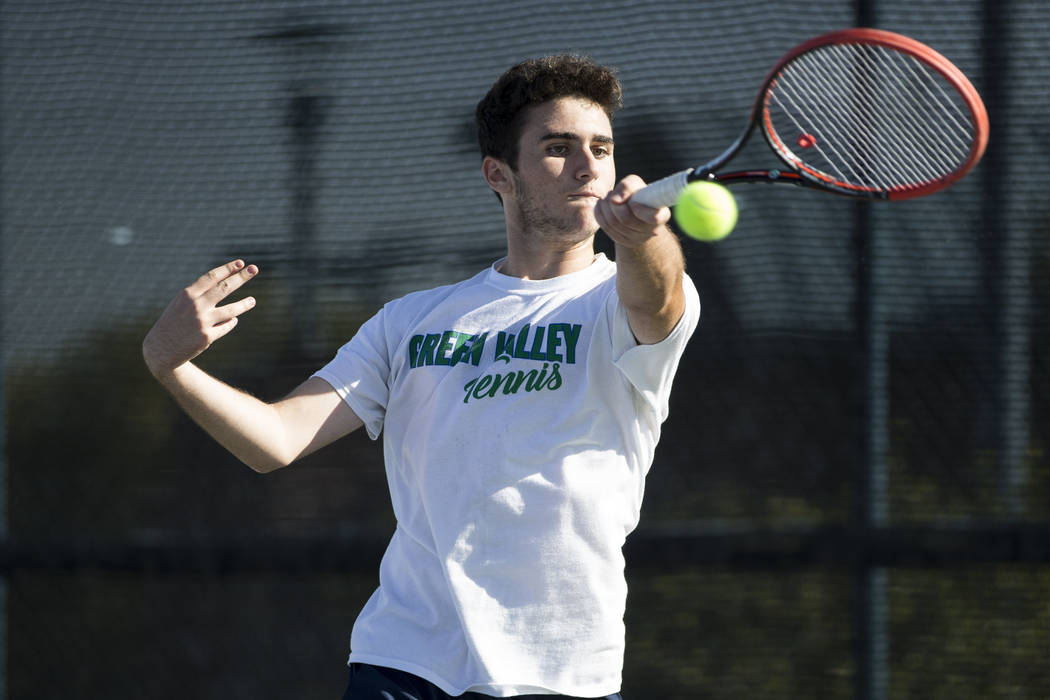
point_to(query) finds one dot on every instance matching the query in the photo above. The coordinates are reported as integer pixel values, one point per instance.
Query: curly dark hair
(500, 114)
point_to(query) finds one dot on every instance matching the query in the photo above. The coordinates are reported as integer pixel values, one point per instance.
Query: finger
(609, 213)
(211, 277)
(650, 215)
(625, 188)
(610, 207)
(228, 285)
(624, 194)
(619, 206)
(603, 213)
(220, 329)
(224, 313)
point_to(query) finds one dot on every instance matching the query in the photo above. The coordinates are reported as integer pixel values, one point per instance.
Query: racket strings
(871, 117)
(846, 164)
(879, 121)
(896, 124)
(878, 127)
(869, 161)
(851, 147)
(930, 116)
(953, 123)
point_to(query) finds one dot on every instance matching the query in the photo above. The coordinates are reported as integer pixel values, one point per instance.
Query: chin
(583, 230)
(591, 227)
(568, 240)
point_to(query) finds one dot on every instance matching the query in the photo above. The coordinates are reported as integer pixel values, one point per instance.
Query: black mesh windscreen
(851, 497)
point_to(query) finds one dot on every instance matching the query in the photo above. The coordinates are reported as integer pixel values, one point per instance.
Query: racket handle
(664, 192)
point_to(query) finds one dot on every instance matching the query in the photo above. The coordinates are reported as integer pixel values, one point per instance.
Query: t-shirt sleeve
(650, 369)
(360, 373)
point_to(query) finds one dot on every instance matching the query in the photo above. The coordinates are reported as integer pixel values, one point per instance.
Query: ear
(497, 174)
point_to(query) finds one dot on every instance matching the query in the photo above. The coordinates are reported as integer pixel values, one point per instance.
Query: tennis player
(520, 410)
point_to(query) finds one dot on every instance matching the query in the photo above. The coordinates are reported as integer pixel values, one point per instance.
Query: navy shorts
(369, 682)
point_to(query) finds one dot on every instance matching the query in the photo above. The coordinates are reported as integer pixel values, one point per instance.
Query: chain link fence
(852, 361)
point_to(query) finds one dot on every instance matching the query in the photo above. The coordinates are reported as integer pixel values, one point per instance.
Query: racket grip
(664, 192)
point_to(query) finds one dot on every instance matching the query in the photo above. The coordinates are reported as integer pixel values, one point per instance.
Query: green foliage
(84, 438)
(767, 434)
(979, 632)
(98, 449)
(723, 634)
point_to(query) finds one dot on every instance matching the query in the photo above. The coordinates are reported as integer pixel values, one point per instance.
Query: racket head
(872, 114)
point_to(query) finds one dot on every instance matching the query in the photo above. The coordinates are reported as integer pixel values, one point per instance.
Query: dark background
(852, 493)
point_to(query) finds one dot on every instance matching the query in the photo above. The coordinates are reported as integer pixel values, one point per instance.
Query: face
(565, 165)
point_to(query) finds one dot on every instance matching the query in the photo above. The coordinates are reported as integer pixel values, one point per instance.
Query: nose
(587, 168)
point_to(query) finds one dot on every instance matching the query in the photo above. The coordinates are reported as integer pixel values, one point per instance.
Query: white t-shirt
(520, 420)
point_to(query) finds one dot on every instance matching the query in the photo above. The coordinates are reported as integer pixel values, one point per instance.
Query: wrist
(162, 371)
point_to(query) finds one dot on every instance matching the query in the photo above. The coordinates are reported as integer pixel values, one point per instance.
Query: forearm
(264, 436)
(249, 428)
(649, 283)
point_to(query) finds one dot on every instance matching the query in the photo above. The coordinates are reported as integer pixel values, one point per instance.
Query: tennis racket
(859, 112)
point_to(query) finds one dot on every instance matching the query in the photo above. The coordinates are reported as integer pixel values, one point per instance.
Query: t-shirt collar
(599, 269)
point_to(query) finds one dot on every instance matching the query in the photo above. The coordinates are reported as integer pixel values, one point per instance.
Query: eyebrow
(570, 136)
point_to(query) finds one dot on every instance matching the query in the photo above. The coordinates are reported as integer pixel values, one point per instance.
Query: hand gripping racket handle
(665, 191)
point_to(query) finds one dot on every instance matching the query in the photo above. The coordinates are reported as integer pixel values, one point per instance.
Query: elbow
(267, 454)
(260, 468)
(264, 463)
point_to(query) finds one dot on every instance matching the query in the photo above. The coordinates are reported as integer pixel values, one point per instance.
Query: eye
(601, 151)
(558, 149)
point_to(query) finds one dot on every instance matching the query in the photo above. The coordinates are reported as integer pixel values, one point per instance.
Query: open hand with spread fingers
(194, 320)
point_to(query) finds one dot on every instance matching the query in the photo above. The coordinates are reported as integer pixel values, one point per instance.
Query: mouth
(584, 196)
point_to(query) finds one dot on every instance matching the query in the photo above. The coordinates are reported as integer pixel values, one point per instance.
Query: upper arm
(314, 415)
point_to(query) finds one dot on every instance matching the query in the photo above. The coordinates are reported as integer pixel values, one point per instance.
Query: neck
(543, 262)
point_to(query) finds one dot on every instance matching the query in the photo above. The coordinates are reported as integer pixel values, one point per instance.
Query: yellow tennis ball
(706, 211)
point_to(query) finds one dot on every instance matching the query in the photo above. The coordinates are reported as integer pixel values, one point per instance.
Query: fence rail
(654, 547)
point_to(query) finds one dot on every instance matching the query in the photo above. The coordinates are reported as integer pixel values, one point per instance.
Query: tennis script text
(552, 345)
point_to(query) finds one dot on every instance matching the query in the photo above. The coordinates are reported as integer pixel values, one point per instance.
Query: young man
(521, 409)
